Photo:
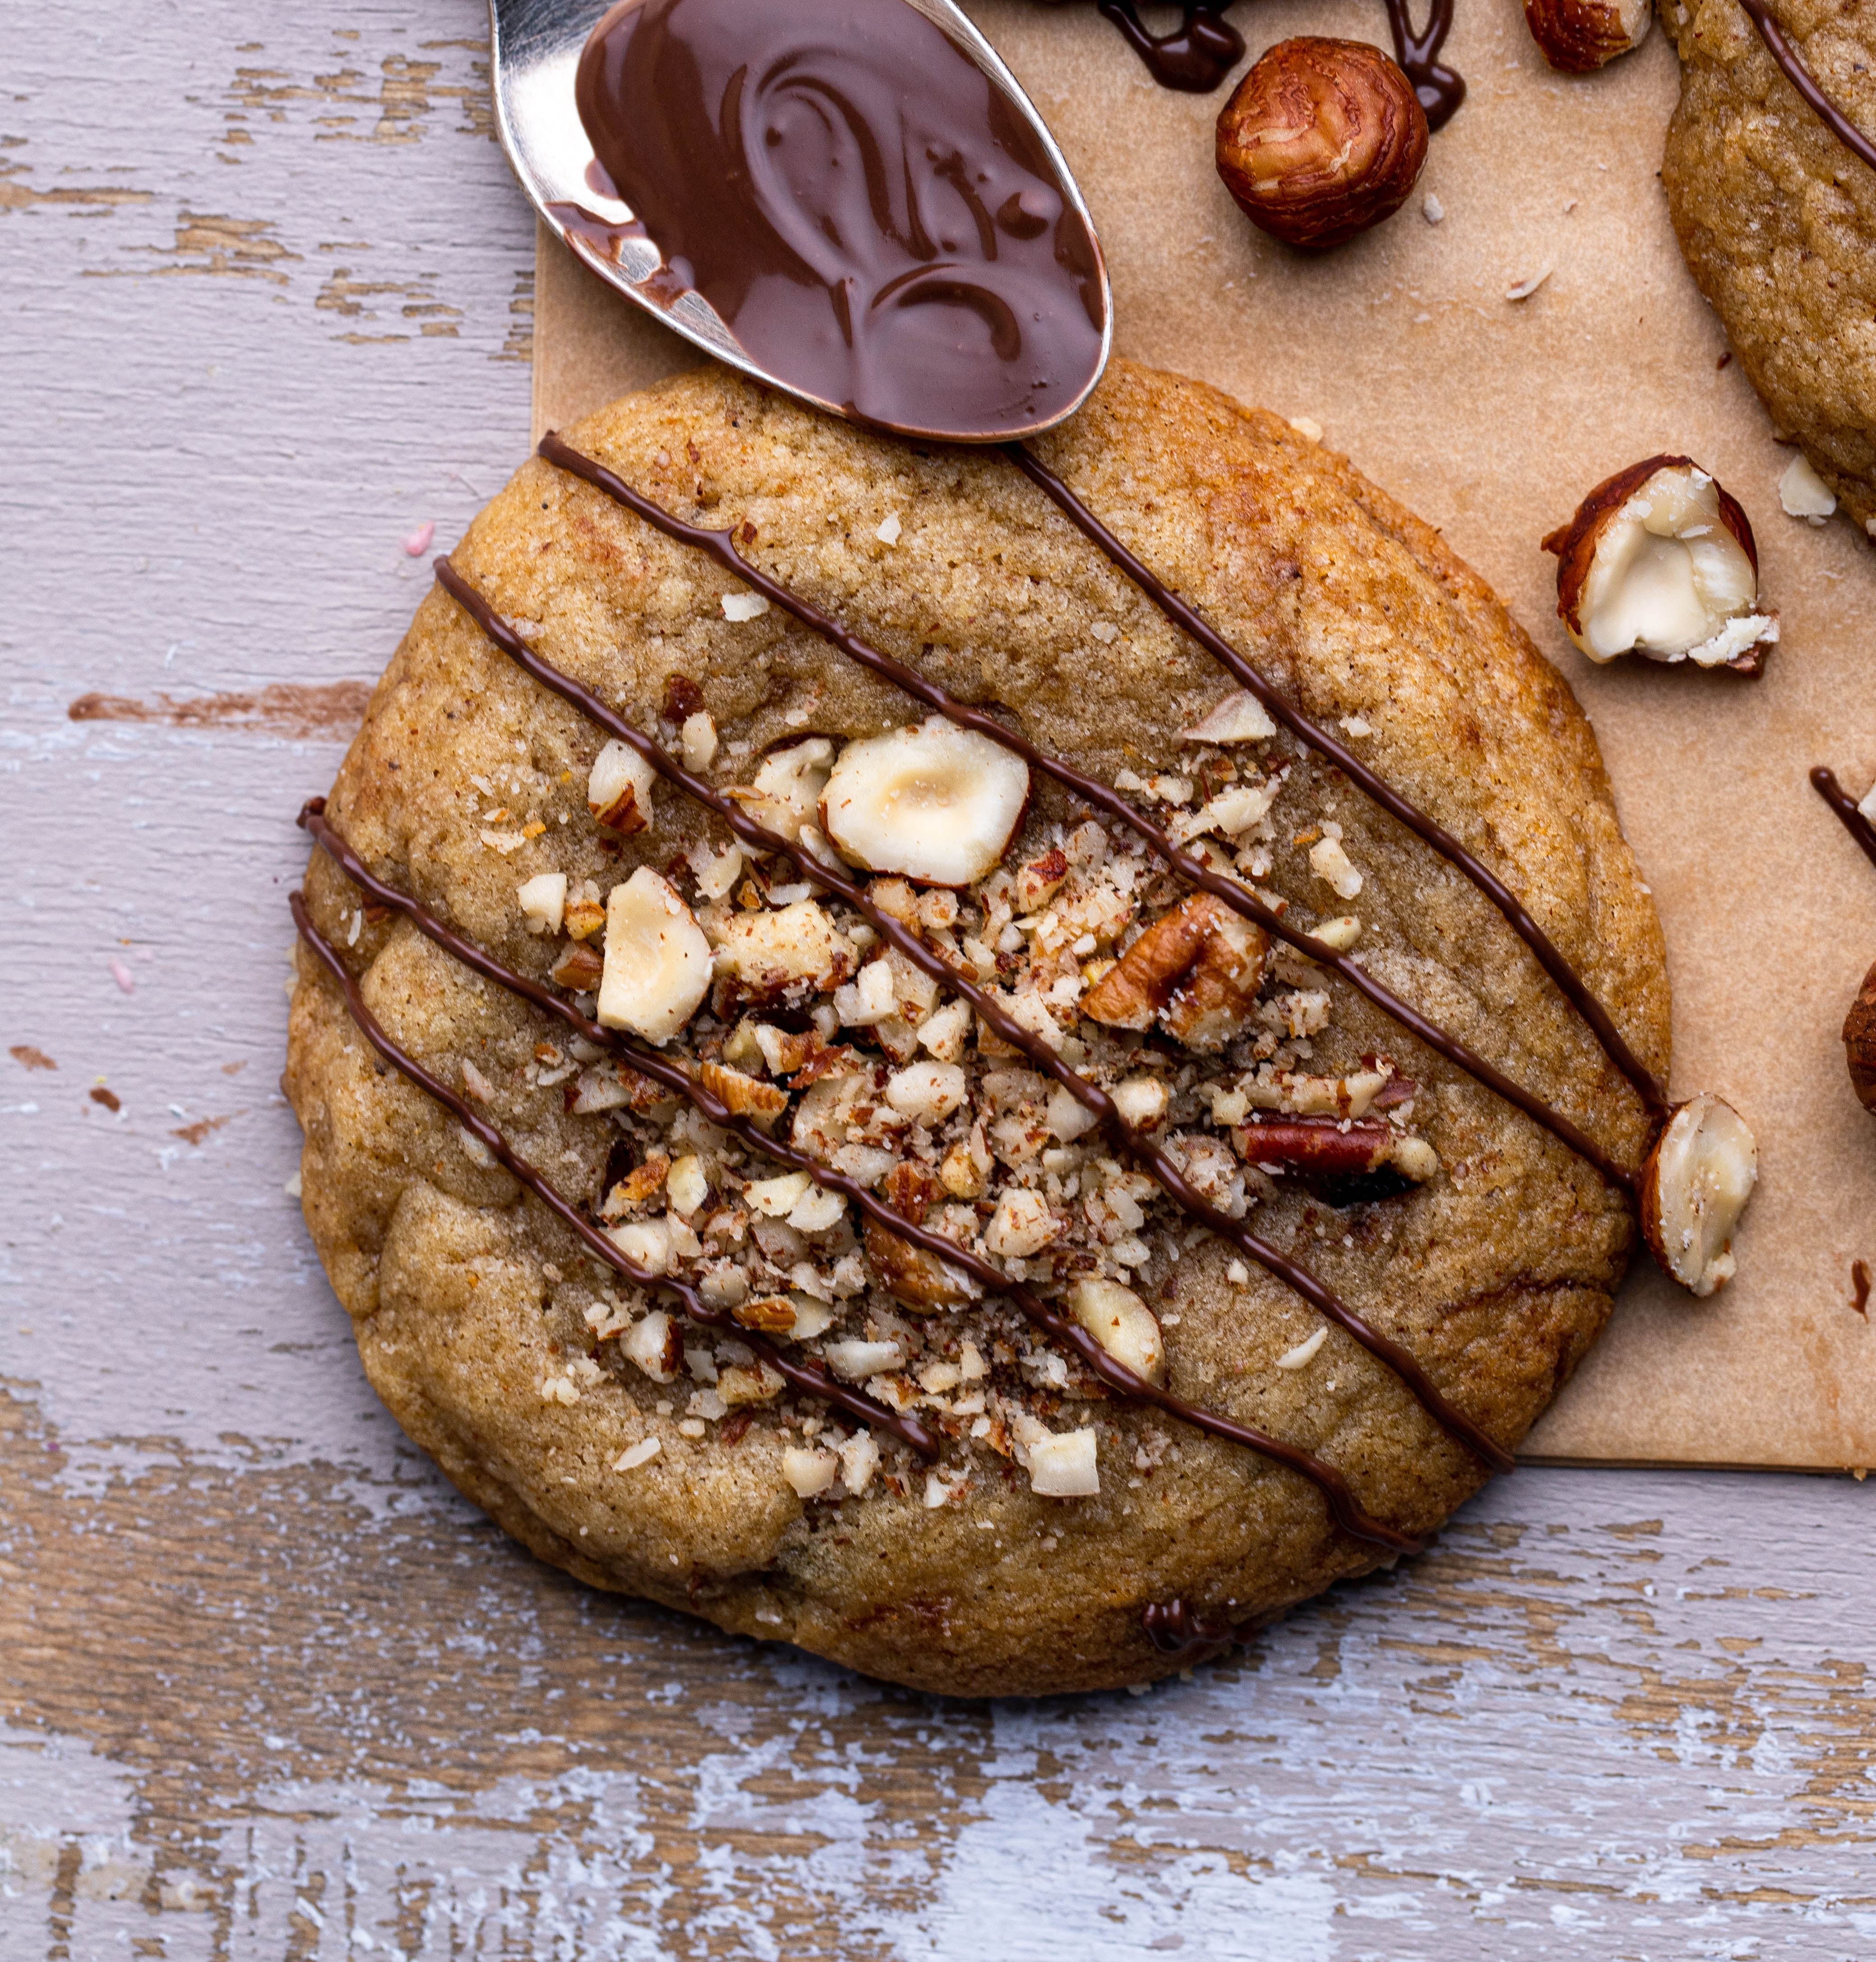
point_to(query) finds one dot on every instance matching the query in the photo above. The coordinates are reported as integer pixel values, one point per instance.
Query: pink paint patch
(418, 543)
(123, 977)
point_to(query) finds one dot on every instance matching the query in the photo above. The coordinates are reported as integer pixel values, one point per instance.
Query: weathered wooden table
(271, 1688)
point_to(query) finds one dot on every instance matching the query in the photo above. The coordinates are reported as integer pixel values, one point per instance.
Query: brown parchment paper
(1491, 417)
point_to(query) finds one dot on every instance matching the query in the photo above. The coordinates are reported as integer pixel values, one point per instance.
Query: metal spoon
(537, 46)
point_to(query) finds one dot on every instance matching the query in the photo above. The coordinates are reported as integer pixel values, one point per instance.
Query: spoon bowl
(912, 297)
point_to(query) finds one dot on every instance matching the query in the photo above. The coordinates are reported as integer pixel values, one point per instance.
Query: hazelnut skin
(1860, 1042)
(1578, 37)
(1321, 139)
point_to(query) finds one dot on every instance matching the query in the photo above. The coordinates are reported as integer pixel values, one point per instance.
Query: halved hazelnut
(1860, 1042)
(936, 803)
(1659, 561)
(1578, 36)
(618, 788)
(1321, 139)
(657, 961)
(1694, 1188)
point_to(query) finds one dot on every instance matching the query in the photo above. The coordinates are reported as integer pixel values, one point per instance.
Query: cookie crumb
(1803, 494)
(1304, 1353)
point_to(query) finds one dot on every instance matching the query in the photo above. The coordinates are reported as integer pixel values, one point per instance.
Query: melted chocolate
(1801, 79)
(1090, 1096)
(1181, 1634)
(1824, 782)
(1572, 984)
(674, 1077)
(877, 224)
(807, 1377)
(1194, 57)
(1859, 1283)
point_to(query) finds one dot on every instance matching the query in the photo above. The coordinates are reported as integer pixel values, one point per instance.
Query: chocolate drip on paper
(1440, 89)
(720, 548)
(1801, 79)
(1183, 616)
(1090, 1096)
(1347, 1512)
(809, 1377)
(1193, 57)
(1824, 781)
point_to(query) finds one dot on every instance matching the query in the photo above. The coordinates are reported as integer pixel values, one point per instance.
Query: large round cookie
(503, 1350)
(1777, 219)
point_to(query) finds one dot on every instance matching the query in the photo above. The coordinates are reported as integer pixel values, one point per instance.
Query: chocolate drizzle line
(1182, 615)
(1801, 79)
(720, 548)
(807, 1377)
(1348, 1514)
(1824, 781)
(1092, 1098)
(1131, 1143)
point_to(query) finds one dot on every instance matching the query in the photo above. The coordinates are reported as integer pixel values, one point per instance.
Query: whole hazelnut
(1860, 1042)
(1321, 139)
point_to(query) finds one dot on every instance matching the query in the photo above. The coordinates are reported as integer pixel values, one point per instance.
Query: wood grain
(270, 1690)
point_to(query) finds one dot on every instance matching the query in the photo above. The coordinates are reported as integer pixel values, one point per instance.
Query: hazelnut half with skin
(1860, 1042)
(1321, 139)
(1659, 561)
(1579, 36)
(1694, 1188)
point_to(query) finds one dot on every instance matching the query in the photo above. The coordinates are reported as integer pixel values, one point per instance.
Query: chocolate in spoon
(849, 199)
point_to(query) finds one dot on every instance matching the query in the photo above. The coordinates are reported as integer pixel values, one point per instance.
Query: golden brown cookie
(1777, 219)
(671, 1461)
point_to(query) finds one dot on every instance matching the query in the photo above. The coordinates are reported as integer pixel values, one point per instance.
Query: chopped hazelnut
(657, 962)
(1659, 561)
(1123, 1324)
(542, 900)
(618, 789)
